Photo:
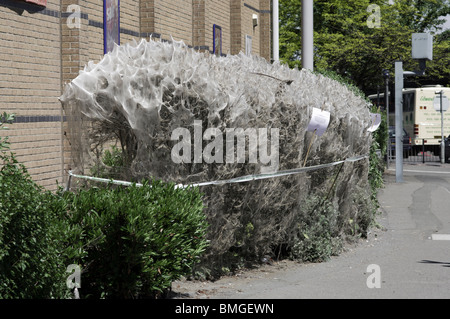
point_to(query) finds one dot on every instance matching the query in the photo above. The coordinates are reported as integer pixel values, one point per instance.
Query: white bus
(420, 120)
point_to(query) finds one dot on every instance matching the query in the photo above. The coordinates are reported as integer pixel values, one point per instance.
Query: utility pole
(421, 50)
(275, 31)
(399, 121)
(441, 105)
(386, 104)
(307, 35)
(442, 131)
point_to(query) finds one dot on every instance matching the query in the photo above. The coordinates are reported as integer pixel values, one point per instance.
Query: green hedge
(130, 242)
(32, 259)
(134, 241)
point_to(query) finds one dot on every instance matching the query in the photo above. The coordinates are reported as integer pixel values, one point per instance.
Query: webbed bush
(317, 236)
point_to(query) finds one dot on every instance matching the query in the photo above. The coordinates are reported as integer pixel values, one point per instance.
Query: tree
(346, 43)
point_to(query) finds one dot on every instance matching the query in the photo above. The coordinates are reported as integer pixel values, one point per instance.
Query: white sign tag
(319, 121)
(375, 120)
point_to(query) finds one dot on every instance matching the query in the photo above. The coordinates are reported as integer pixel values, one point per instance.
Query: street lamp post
(441, 105)
(422, 50)
(307, 35)
(275, 35)
(442, 131)
(399, 121)
(386, 104)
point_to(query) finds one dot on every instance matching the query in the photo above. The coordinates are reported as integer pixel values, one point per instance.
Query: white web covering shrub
(140, 92)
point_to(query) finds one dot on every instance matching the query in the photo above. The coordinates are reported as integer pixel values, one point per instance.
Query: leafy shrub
(110, 165)
(5, 118)
(136, 240)
(376, 168)
(130, 242)
(31, 255)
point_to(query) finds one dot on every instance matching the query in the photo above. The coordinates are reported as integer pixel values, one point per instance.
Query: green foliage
(380, 136)
(135, 241)
(110, 165)
(31, 258)
(32, 263)
(438, 69)
(129, 242)
(377, 152)
(345, 43)
(5, 118)
(344, 81)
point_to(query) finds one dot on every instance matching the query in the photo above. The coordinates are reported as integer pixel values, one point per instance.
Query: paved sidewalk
(411, 262)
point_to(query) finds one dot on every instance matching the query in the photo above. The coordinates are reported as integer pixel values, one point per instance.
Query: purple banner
(111, 24)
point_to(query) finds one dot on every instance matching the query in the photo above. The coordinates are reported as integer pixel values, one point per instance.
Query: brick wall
(40, 51)
(218, 12)
(249, 8)
(265, 35)
(30, 82)
(173, 18)
(198, 24)
(241, 17)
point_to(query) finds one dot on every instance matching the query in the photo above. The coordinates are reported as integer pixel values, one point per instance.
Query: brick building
(44, 43)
